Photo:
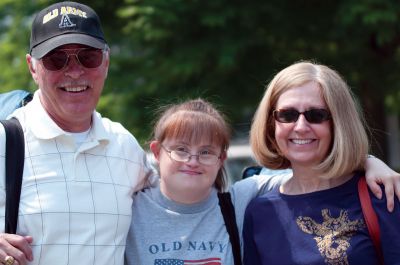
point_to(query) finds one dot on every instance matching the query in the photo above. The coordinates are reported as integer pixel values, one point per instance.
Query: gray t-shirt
(165, 232)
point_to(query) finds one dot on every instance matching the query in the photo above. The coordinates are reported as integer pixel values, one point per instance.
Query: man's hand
(17, 247)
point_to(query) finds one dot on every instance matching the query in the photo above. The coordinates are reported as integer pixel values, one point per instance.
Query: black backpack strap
(228, 212)
(15, 152)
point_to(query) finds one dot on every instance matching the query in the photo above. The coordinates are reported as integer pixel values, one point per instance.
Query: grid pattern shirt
(75, 200)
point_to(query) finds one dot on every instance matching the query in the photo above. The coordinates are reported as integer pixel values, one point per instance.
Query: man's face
(70, 95)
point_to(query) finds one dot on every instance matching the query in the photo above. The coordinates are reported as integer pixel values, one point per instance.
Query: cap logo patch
(66, 22)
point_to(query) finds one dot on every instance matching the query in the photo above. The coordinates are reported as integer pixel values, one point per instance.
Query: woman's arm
(250, 254)
(389, 229)
(377, 172)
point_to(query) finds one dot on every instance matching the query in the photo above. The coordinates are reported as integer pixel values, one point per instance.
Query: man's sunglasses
(292, 115)
(57, 59)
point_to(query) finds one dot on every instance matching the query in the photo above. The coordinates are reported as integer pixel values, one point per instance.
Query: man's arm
(11, 245)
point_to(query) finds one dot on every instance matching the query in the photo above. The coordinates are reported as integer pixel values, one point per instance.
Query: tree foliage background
(226, 51)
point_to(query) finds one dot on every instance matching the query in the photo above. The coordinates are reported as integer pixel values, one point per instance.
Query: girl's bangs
(194, 127)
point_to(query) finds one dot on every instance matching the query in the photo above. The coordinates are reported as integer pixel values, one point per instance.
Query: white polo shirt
(75, 200)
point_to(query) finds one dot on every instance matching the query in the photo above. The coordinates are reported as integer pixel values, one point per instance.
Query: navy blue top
(322, 227)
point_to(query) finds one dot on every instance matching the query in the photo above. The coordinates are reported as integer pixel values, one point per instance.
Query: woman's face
(191, 177)
(303, 143)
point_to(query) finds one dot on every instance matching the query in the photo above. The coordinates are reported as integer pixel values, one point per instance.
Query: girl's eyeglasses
(292, 115)
(205, 158)
(57, 59)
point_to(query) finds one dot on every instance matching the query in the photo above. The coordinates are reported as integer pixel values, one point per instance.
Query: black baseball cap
(65, 23)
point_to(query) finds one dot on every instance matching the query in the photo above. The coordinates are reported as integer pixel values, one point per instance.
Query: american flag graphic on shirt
(209, 261)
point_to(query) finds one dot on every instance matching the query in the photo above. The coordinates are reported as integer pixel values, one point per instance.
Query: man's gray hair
(34, 62)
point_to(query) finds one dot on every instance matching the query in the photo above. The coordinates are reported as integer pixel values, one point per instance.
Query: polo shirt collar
(43, 127)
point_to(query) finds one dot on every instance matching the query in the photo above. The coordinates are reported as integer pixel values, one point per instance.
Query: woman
(308, 121)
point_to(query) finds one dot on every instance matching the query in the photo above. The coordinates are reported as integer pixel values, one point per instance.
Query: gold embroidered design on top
(332, 235)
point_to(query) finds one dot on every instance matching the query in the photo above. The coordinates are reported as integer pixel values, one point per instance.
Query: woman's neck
(309, 180)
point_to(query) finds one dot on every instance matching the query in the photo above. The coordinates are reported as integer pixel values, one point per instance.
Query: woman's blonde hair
(194, 121)
(349, 145)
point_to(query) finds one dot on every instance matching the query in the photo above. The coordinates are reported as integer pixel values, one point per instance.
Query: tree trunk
(393, 140)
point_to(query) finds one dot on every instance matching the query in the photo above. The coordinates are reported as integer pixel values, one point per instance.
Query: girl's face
(303, 143)
(192, 180)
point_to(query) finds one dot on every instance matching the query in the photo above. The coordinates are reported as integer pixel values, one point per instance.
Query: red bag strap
(370, 217)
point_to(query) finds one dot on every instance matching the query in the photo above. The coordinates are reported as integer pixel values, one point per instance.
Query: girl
(180, 220)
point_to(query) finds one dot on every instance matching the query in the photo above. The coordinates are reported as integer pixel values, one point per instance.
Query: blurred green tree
(15, 20)
(226, 51)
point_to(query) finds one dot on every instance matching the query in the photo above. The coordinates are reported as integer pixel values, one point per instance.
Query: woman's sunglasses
(57, 59)
(292, 115)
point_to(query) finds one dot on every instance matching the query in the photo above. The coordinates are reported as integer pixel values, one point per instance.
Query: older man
(80, 169)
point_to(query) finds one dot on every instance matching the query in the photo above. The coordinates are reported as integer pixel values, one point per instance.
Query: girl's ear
(155, 149)
(223, 156)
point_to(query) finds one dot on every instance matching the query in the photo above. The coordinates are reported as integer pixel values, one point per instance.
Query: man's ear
(32, 67)
(155, 149)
